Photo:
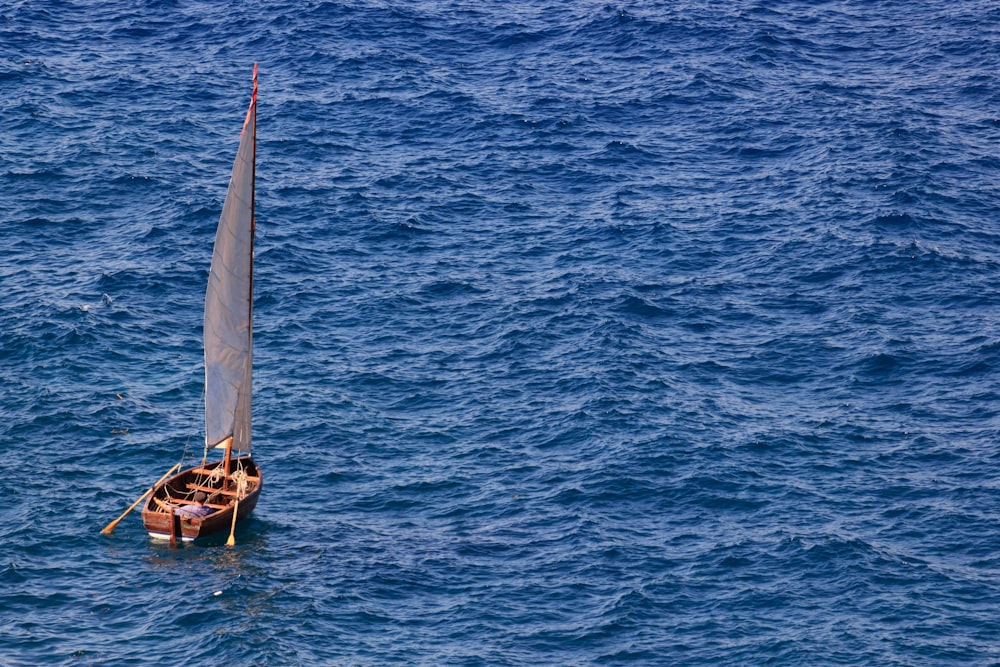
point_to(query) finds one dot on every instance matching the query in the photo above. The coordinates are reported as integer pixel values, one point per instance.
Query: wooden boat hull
(162, 523)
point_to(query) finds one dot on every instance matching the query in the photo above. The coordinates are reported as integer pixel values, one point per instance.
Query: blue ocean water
(586, 333)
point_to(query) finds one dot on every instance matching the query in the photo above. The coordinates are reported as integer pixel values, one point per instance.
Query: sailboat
(213, 496)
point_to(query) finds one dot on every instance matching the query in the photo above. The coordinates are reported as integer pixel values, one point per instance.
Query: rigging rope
(240, 478)
(216, 475)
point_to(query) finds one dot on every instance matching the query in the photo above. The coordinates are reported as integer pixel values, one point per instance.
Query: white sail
(229, 302)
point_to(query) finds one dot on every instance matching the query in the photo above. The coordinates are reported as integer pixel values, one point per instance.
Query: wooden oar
(231, 542)
(111, 526)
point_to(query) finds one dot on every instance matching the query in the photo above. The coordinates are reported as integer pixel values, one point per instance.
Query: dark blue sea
(586, 333)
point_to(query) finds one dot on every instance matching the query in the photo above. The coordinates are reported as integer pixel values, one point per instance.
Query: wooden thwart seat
(174, 502)
(207, 489)
(205, 471)
(210, 471)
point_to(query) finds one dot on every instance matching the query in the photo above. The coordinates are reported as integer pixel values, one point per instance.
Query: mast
(251, 121)
(229, 304)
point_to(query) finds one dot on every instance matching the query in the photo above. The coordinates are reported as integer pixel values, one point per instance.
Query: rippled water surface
(586, 333)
